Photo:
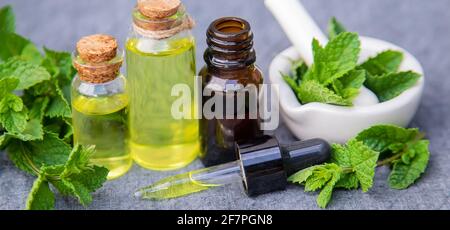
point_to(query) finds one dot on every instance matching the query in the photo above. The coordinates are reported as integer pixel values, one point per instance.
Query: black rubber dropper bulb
(263, 166)
(266, 164)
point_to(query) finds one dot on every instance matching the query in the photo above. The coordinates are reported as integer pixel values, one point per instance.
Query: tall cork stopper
(96, 58)
(160, 19)
(158, 9)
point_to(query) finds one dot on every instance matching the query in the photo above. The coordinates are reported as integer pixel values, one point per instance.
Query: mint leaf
(7, 19)
(312, 91)
(332, 78)
(335, 28)
(87, 182)
(11, 45)
(317, 177)
(59, 107)
(40, 197)
(78, 160)
(353, 165)
(67, 131)
(380, 137)
(391, 85)
(30, 156)
(58, 63)
(325, 195)
(338, 57)
(14, 45)
(291, 82)
(81, 185)
(11, 102)
(348, 86)
(13, 117)
(385, 62)
(38, 108)
(8, 85)
(341, 156)
(383, 78)
(298, 70)
(404, 174)
(364, 161)
(28, 74)
(77, 177)
(348, 181)
(50, 151)
(359, 159)
(31, 54)
(302, 175)
(33, 131)
(320, 177)
(409, 153)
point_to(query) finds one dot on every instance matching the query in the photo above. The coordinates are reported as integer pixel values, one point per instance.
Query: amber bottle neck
(230, 45)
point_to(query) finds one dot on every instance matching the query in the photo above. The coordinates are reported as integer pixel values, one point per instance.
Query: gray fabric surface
(422, 27)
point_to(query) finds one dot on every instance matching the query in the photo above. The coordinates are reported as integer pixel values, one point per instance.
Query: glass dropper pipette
(262, 167)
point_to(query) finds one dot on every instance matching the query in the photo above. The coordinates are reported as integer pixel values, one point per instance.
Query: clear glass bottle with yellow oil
(99, 103)
(160, 54)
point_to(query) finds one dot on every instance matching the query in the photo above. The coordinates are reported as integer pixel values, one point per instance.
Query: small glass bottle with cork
(160, 54)
(99, 103)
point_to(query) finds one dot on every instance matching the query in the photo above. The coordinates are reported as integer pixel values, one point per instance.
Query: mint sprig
(352, 165)
(391, 85)
(335, 78)
(322, 82)
(77, 178)
(385, 62)
(35, 125)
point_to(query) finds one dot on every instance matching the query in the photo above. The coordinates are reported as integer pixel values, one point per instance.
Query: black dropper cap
(266, 165)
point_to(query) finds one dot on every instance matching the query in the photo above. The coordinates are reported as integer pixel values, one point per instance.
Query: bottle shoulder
(178, 43)
(99, 99)
(251, 75)
(114, 87)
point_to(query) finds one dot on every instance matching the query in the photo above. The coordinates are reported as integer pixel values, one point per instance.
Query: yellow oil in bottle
(101, 121)
(157, 140)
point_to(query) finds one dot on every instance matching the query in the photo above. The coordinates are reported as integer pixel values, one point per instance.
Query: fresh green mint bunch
(336, 78)
(352, 166)
(35, 119)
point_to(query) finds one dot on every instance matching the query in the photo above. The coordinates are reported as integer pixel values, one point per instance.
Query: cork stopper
(97, 48)
(158, 9)
(163, 30)
(96, 60)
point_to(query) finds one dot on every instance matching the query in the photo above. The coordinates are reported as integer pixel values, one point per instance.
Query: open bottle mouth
(231, 28)
(230, 34)
(230, 44)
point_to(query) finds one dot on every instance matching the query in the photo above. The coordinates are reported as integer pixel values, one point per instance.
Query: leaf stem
(346, 170)
(37, 171)
(389, 160)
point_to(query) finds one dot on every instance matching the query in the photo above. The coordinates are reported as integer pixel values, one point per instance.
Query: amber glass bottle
(230, 61)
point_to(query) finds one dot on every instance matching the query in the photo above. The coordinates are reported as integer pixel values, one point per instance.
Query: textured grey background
(422, 27)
